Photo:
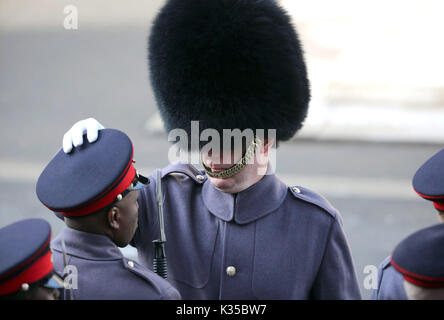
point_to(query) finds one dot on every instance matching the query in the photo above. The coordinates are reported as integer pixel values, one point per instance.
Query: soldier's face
(219, 161)
(441, 216)
(128, 218)
(43, 293)
(242, 180)
(415, 292)
(38, 293)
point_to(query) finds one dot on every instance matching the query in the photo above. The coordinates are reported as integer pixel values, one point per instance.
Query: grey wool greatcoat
(269, 241)
(390, 283)
(102, 271)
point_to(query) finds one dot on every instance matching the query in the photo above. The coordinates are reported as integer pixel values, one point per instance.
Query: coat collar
(260, 199)
(86, 245)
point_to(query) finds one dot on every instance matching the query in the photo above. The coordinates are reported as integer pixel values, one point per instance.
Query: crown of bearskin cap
(229, 64)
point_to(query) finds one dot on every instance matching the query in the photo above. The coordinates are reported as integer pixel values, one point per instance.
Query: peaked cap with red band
(25, 256)
(90, 177)
(428, 181)
(420, 257)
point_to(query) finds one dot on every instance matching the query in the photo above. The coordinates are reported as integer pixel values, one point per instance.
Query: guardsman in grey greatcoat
(234, 229)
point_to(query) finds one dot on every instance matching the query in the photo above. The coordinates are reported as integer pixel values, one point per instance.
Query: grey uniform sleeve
(375, 292)
(336, 278)
(172, 294)
(390, 283)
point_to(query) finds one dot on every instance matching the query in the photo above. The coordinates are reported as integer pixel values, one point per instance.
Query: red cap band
(429, 197)
(439, 205)
(424, 284)
(35, 272)
(419, 280)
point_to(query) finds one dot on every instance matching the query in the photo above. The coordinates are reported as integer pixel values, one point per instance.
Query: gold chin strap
(236, 168)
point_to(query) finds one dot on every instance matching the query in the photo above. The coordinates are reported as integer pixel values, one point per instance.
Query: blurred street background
(376, 115)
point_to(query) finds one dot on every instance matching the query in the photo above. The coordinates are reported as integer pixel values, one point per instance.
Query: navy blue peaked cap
(90, 177)
(420, 257)
(229, 64)
(25, 256)
(428, 180)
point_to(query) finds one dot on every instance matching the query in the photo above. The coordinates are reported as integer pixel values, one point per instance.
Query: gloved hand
(74, 136)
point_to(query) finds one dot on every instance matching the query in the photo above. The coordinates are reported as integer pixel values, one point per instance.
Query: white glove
(74, 136)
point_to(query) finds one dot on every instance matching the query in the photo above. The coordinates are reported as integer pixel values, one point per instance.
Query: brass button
(296, 190)
(200, 177)
(231, 271)
(131, 264)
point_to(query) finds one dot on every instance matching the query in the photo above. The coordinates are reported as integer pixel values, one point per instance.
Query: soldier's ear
(113, 218)
(441, 216)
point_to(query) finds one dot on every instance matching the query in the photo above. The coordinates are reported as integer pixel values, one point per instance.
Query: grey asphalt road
(51, 78)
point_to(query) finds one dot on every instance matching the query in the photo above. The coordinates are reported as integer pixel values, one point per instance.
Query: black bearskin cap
(229, 64)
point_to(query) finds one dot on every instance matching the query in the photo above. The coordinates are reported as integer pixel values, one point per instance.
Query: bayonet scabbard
(159, 256)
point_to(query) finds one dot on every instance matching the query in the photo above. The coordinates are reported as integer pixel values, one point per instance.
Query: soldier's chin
(222, 184)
